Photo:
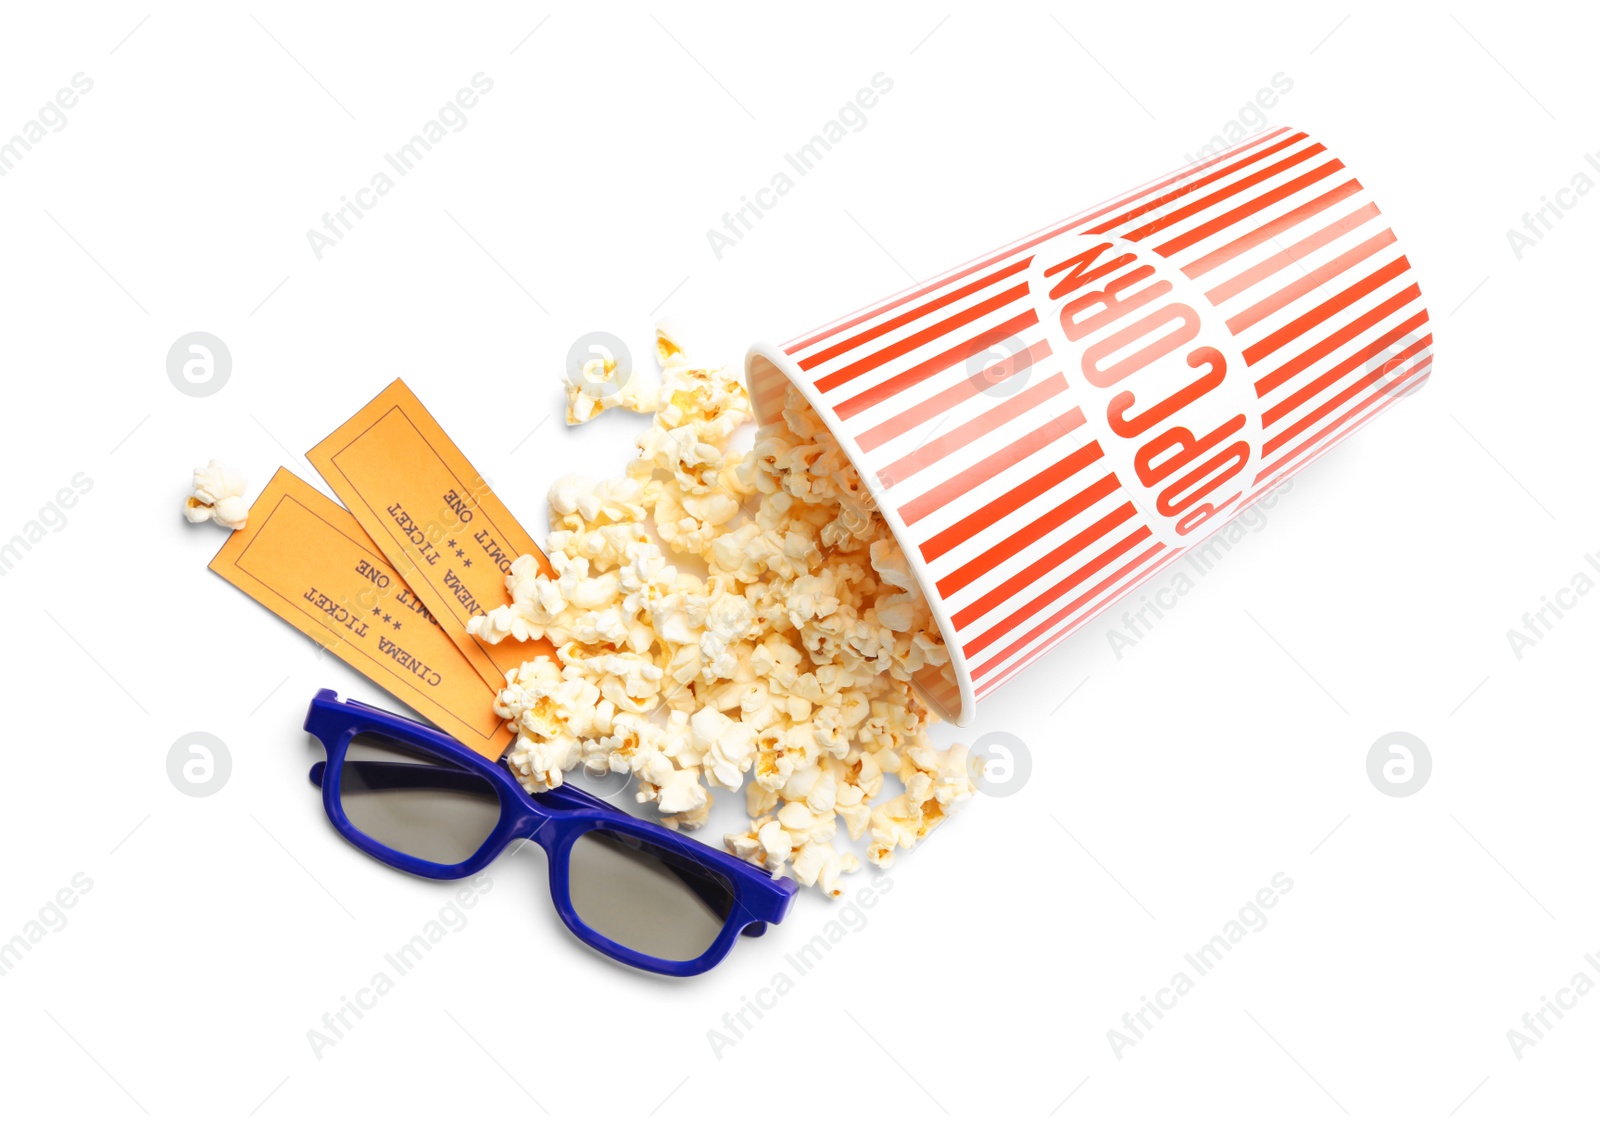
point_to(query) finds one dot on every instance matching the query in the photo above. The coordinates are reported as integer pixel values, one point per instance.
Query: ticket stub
(308, 560)
(434, 516)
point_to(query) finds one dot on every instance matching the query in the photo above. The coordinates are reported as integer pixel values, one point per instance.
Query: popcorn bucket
(1049, 425)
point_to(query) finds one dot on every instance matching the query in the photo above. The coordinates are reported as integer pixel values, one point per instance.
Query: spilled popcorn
(218, 495)
(784, 672)
(602, 383)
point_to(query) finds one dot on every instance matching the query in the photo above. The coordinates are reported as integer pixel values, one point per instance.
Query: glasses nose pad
(317, 773)
(755, 930)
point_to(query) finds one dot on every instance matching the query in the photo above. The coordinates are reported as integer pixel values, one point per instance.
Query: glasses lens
(649, 899)
(424, 808)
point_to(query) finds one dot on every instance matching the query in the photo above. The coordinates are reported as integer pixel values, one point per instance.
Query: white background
(1228, 745)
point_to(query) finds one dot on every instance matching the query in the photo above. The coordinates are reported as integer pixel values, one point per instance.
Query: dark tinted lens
(425, 808)
(647, 898)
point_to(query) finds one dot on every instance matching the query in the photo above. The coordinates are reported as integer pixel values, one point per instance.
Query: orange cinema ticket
(434, 516)
(308, 560)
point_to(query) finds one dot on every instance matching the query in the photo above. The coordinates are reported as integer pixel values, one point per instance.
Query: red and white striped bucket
(1167, 357)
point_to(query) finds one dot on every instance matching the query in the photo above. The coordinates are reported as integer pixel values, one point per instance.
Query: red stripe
(900, 320)
(1230, 251)
(1120, 201)
(1337, 338)
(1291, 254)
(1194, 186)
(1366, 353)
(1006, 411)
(1023, 662)
(1100, 606)
(1335, 401)
(1247, 209)
(1404, 377)
(922, 411)
(1262, 489)
(922, 337)
(1199, 166)
(1320, 313)
(1356, 425)
(1310, 281)
(1066, 585)
(990, 466)
(992, 513)
(1095, 610)
(1341, 431)
(1019, 581)
(1195, 207)
(893, 386)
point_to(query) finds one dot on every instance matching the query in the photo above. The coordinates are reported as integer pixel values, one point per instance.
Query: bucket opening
(946, 690)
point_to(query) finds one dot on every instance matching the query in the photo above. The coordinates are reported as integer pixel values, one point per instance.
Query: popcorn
(218, 495)
(549, 710)
(727, 747)
(667, 347)
(681, 793)
(783, 673)
(820, 864)
(600, 385)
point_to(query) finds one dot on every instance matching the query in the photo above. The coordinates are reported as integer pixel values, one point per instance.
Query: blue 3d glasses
(412, 797)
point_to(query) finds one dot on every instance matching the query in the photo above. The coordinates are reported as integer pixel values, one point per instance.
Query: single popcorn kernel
(785, 673)
(218, 495)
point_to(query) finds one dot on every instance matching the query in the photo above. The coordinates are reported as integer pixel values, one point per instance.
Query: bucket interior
(942, 689)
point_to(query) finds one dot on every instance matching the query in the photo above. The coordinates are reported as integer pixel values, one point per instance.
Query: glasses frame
(554, 820)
